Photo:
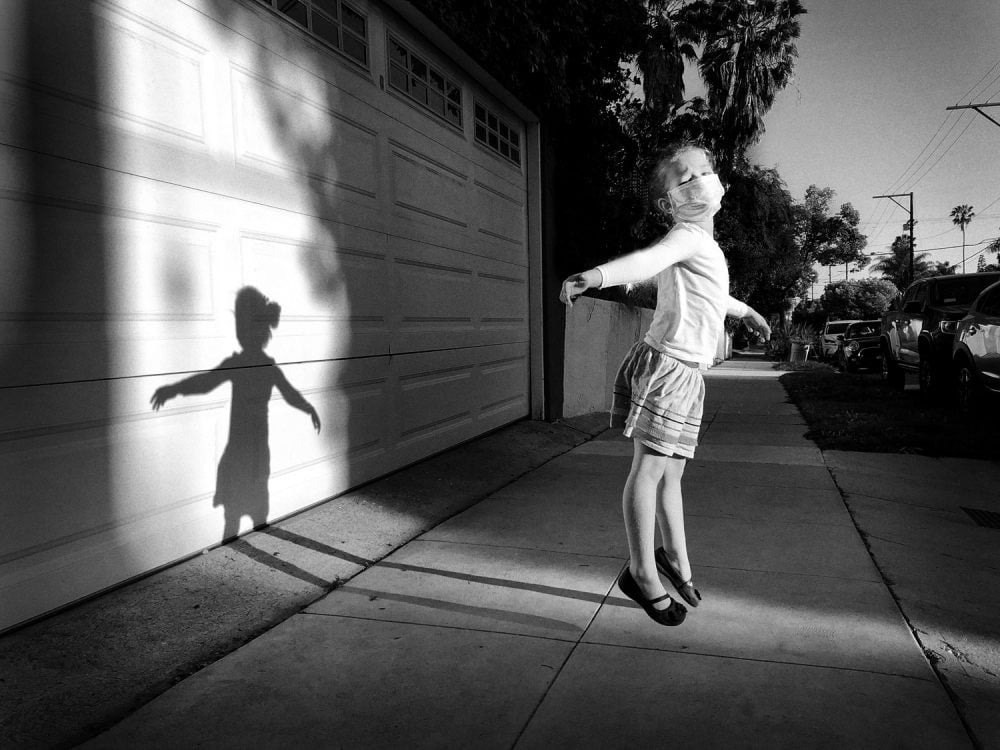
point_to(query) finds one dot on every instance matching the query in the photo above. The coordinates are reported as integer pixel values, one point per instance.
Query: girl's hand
(315, 420)
(577, 284)
(161, 396)
(756, 323)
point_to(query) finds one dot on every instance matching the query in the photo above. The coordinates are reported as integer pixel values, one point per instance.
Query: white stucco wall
(598, 335)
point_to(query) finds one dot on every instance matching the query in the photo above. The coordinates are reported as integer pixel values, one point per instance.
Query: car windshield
(835, 328)
(868, 328)
(961, 290)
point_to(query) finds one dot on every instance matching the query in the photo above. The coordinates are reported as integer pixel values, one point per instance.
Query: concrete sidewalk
(502, 627)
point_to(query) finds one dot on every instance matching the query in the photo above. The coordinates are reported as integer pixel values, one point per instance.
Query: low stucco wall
(598, 335)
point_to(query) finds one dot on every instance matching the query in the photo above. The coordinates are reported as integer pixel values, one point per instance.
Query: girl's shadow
(241, 482)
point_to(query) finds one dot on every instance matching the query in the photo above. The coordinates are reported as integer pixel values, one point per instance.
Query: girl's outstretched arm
(639, 265)
(203, 382)
(294, 398)
(753, 319)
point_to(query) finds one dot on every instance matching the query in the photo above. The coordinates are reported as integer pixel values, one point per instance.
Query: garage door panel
(434, 304)
(157, 271)
(446, 299)
(334, 305)
(502, 310)
(312, 138)
(130, 492)
(166, 105)
(172, 102)
(426, 190)
(503, 383)
(354, 402)
(501, 222)
(448, 397)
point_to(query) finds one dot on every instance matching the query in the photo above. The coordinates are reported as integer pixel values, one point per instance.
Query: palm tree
(896, 266)
(668, 43)
(942, 268)
(994, 247)
(961, 216)
(747, 58)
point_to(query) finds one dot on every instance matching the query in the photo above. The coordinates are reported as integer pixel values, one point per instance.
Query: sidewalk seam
(509, 546)
(462, 628)
(562, 666)
(808, 665)
(914, 633)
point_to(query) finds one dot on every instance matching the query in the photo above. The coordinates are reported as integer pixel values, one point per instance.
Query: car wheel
(969, 394)
(930, 379)
(892, 376)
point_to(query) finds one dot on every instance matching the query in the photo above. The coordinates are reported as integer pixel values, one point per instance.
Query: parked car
(917, 335)
(976, 350)
(858, 346)
(831, 331)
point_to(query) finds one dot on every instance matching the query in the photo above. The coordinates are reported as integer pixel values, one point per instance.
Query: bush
(865, 299)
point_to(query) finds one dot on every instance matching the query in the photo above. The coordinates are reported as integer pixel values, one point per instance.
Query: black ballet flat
(672, 615)
(685, 588)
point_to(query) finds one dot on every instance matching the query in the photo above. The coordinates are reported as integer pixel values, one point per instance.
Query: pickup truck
(917, 333)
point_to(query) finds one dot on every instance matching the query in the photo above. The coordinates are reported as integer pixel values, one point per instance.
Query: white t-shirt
(692, 291)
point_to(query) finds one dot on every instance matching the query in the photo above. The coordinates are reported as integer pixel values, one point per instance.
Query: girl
(242, 479)
(659, 391)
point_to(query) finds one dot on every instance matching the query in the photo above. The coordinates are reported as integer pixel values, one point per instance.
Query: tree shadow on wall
(241, 486)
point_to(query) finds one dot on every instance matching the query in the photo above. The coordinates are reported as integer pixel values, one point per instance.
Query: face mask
(697, 199)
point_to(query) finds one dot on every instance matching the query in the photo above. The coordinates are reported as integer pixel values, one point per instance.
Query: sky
(866, 115)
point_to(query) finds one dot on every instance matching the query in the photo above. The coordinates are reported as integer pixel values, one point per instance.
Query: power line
(943, 247)
(950, 146)
(994, 67)
(880, 216)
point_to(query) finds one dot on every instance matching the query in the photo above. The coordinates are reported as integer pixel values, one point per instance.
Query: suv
(977, 350)
(917, 337)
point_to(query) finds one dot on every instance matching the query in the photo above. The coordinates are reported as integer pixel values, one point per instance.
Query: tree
(747, 57)
(896, 266)
(756, 229)
(830, 239)
(865, 299)
(961, 216)
(661, 60)
(993, 247)
(942, 268)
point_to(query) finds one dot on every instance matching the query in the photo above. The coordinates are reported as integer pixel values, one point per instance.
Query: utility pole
(893, 197)
(978, 108)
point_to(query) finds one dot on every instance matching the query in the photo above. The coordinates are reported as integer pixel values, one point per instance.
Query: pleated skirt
(658, 400)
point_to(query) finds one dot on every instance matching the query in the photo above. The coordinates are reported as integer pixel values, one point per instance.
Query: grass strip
(857, 412)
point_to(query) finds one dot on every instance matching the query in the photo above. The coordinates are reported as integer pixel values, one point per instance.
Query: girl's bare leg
(639, 507)
(670, 515)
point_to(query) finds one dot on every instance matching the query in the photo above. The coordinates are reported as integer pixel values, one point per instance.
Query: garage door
(162, 158)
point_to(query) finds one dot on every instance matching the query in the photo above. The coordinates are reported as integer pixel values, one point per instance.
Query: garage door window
(413, 76)
(497, 134)
(333, 21)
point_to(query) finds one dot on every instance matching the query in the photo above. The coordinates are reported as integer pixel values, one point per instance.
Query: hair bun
(273, 314)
